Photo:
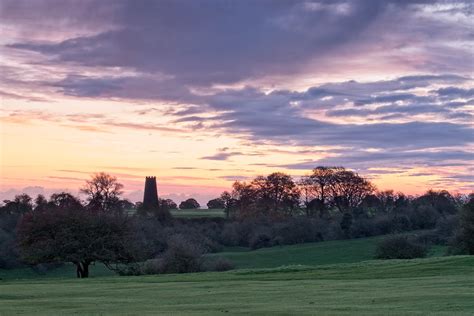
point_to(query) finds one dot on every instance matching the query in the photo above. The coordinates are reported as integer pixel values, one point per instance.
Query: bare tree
(103, 192)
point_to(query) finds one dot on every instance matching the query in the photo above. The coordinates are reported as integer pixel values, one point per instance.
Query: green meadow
(327, 278)
(439, 285)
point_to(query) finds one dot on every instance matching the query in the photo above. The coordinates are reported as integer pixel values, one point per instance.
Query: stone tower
(150, 197)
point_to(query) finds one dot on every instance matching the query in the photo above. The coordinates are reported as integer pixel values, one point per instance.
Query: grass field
(441, 286)
(198, 213)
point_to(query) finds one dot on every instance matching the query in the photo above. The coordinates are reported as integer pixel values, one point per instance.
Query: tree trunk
(82, 269)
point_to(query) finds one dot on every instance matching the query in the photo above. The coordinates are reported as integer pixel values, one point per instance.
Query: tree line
(330, 203)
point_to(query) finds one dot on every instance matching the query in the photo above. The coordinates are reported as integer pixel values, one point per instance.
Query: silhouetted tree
(348, 190)
(65, 201)
(387, 201)
(246, 199)
(277, 194)
(21, 204)
(230, 203)
(217, 203)
(323, 180)
(171, 204)
(441, 201)
(103, 192)
(189, 204)
(41, 203)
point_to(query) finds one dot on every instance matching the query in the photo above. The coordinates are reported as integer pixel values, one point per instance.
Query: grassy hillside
(444, 286)
(329, 252)
(338, 251)
(312, 254)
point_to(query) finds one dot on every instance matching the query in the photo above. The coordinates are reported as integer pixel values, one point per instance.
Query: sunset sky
(203, 93)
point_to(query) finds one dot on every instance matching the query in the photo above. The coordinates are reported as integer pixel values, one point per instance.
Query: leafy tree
(189, 204)
(78, 236)
(441, 201)
(217, 203)
(387, 201)
(21, 204)
(323, 179)
(348, 190)
(171, 204)
(277, 193)
(103, 192)
(65, 201)
(246, 199)
(41, 203)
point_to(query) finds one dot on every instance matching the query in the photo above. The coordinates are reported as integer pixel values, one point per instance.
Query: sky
(203, 93)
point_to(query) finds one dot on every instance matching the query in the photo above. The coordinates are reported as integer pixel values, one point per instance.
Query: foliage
(21, 204)
(463, 242)
(78, 236)
(274, 196)
(189, 204)
(182, 256)
(399, 247)
(217, 203)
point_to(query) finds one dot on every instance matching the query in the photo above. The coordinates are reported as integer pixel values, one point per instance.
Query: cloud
(223, 155)
(210, 44)
(200, 43)
(234, 178)
(392, 159)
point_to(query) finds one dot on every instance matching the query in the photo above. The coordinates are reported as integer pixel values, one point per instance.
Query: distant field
(198, 213)
(441, 286)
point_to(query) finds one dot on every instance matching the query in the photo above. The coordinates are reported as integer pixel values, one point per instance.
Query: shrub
(430, 237)
(182, 256)
(152, 266)
(399, 247)
(220, 264)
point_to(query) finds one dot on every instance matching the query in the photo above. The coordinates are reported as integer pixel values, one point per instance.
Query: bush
(219, 264)
(152, 266)
(399, 247)
(182, 256)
